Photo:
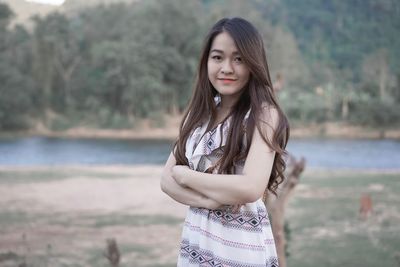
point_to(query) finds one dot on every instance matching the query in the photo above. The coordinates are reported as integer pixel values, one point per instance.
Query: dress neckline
(220, 123)
(217, 100)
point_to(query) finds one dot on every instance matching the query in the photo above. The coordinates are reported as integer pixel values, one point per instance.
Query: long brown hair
(258, 93)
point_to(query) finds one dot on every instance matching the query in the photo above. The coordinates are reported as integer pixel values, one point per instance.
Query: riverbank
(145, 130)
(62, 216)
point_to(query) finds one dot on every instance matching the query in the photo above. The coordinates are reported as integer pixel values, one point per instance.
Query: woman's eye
(238, 59)
(216, 58)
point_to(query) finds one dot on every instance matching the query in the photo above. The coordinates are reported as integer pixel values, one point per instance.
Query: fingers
(236, 208)
(233, 208)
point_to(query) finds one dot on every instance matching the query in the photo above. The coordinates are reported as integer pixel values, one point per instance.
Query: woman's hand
(179, 173)
(236, 208)
(212, 204)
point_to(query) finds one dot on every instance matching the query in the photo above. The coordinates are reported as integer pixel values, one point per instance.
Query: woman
(229, 153)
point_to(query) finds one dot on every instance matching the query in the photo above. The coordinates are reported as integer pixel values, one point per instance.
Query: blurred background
(91, 97)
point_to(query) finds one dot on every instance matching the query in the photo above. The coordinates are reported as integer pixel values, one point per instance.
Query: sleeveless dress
(222, 238)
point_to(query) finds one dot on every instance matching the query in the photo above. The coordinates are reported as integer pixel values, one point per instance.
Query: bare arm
(182, 194)
(236, 189)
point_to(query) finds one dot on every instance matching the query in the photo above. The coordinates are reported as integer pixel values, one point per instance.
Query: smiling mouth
(227, 80)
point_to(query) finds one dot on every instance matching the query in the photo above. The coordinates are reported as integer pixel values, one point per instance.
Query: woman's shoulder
(267, 106)
(269, 114)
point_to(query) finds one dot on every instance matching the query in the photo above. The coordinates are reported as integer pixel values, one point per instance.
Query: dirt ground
(62, 216)
(65, 219)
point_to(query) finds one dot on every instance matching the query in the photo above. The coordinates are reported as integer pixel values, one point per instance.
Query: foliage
(375, 113)
(340, 32)
(122, 62)
(17, 89)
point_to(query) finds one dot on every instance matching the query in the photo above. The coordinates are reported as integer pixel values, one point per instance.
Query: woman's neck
(229, 101)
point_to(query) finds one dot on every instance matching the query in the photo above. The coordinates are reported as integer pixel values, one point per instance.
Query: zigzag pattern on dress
(247, 221)
(226, 242)
(205, 258)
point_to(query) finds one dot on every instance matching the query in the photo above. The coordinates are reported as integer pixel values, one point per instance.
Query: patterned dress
(221, 237)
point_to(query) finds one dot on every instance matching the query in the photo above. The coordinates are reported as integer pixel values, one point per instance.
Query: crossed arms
(204, 190)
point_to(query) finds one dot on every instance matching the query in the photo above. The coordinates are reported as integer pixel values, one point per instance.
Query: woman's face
(226, 70)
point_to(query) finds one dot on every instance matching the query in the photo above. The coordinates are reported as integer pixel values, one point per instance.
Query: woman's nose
(226, 67)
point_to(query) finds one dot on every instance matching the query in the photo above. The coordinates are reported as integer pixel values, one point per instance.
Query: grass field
(325, 226)
(62, 216)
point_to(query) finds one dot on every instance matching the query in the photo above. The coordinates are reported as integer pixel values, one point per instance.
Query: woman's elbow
(162, 187)
(252, 194)
(163, 184)
(249, 198)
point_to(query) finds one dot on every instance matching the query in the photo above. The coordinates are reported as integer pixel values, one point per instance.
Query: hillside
(111, 66)
(24, 10)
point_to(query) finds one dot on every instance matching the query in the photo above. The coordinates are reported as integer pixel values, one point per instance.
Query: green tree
(56, 56)
(17, 88)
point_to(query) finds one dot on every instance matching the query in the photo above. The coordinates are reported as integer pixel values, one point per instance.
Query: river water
(319, 153)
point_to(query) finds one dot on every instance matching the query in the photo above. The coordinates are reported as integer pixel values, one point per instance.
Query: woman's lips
(223, 80)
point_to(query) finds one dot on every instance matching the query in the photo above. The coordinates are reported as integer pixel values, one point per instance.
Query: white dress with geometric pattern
(222, 237)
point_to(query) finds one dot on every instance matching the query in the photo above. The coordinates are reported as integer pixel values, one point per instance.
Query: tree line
(111, 66)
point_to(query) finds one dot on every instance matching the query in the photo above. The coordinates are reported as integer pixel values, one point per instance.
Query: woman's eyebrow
(217, 50)
(220, 51)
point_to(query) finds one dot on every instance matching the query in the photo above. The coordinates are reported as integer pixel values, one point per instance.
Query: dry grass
(62, 216)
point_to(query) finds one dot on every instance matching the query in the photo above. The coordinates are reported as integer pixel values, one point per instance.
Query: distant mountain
(71, 5)
(24, 10)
